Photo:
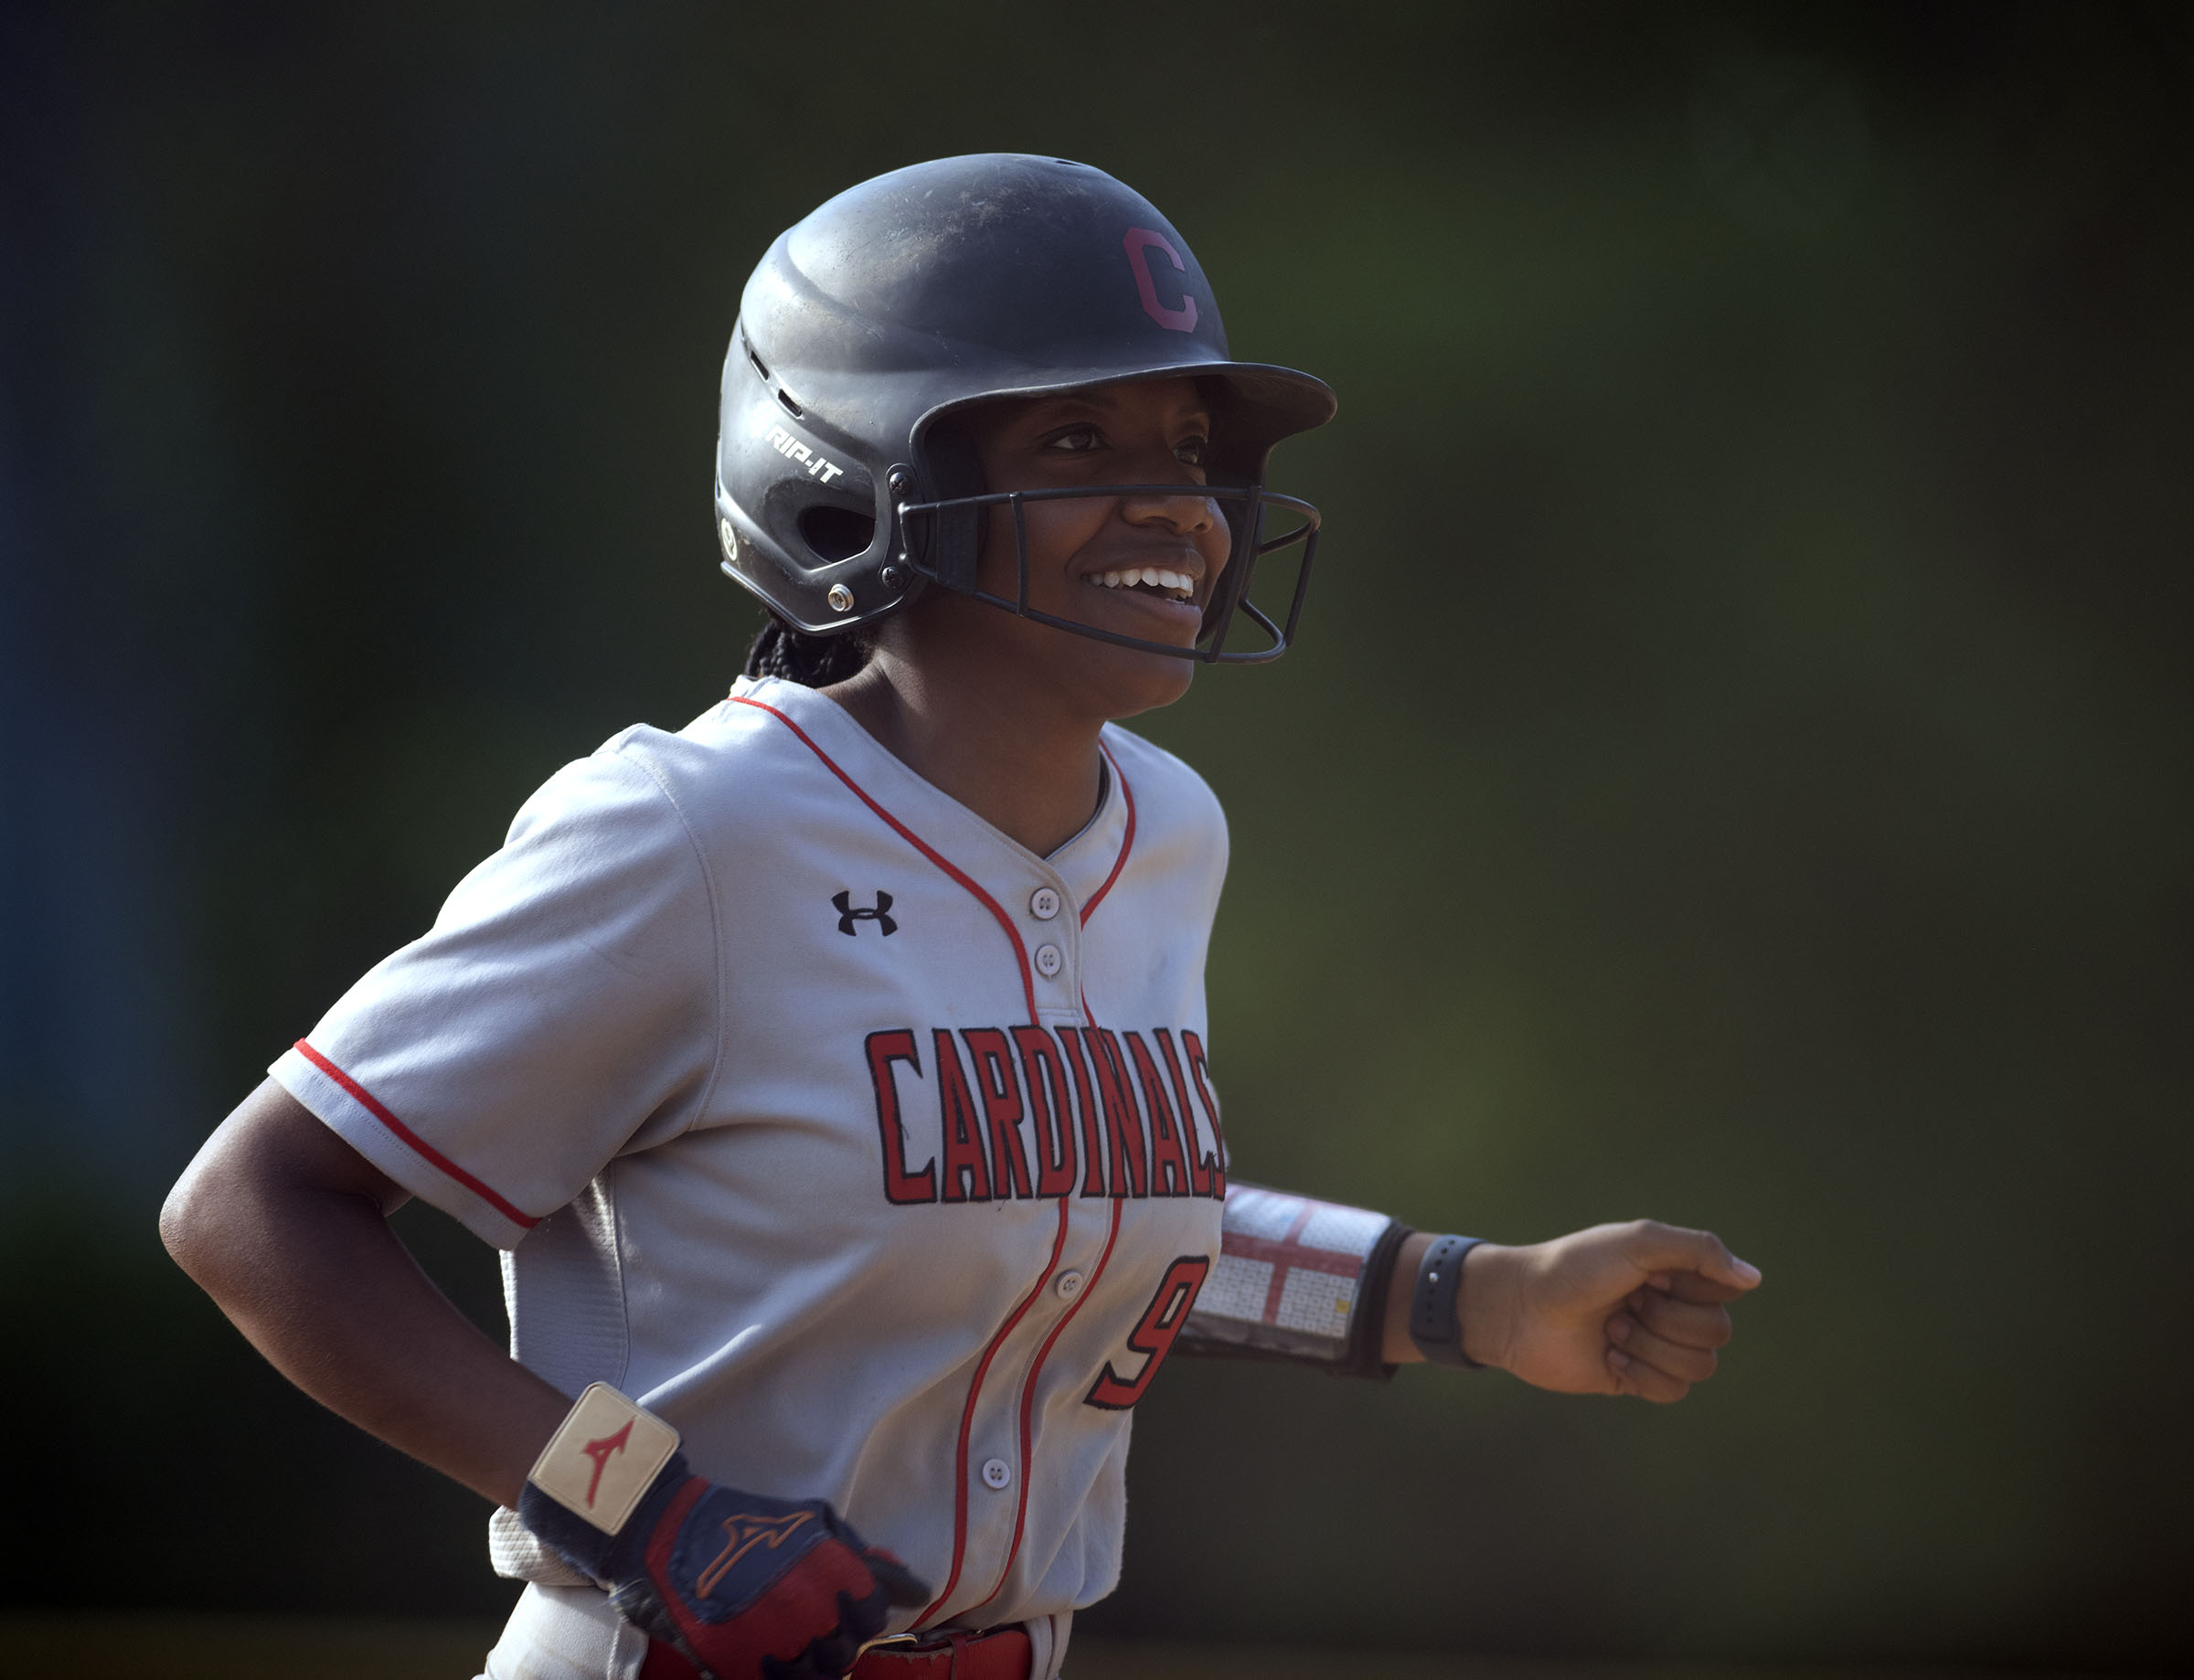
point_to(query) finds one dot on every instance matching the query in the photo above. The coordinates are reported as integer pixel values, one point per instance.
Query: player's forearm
(331, 1297)
(317, 1282)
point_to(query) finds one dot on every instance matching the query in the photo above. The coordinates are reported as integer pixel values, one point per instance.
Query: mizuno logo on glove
(745, 1534)
(600, 1463)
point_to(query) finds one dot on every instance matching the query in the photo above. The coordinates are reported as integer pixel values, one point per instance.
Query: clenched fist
(1617, 1309)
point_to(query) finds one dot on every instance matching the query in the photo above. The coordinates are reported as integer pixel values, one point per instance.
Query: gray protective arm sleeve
(1297, 1280)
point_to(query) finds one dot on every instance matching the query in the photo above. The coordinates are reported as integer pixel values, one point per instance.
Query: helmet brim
(1270, 403)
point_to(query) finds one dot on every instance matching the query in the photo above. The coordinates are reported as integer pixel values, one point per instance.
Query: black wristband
(1368, 1331)
(1436, 1319)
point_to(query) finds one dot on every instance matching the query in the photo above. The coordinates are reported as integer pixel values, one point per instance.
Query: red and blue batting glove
(744, 1587)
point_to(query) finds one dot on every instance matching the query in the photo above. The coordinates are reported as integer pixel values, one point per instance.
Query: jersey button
(1043, 904)
(1068, 1284)
(996, 1474)
(1047, 960)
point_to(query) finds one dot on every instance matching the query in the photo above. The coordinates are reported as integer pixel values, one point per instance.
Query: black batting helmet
(946, 284)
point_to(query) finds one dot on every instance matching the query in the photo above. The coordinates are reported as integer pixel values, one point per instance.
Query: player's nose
(1185, 513)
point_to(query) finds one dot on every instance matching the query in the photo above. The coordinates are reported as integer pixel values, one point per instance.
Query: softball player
(832, 1073)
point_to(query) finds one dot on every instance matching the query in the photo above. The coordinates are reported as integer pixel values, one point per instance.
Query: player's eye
(1193, 451)
(1076, 440)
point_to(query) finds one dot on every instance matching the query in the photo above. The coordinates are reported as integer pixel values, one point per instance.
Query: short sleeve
(561, 1010)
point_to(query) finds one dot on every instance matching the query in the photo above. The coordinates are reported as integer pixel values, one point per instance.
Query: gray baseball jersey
(872, 1151)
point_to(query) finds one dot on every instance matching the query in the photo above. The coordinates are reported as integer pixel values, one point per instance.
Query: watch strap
(1435, 1318)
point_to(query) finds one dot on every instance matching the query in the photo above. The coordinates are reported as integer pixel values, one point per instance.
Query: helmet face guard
(1246, 508)
(846, 479)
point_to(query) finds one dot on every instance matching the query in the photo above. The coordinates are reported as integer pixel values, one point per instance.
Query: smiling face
(1142, 566)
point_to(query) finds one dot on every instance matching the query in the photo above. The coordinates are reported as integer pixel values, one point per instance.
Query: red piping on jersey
(967, 1418)
(412, 1140)
(919, 843)
(1127, 842)
(1020, 1516)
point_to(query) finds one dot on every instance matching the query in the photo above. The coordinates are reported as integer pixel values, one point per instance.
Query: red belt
(999, 1653)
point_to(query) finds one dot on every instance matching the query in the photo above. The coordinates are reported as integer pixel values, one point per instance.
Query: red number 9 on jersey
(1162, 1321)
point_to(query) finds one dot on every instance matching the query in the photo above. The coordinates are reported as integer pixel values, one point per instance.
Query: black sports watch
(1435, 1322)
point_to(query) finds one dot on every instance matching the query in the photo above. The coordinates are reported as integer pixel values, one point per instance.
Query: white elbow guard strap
(1297, 1280)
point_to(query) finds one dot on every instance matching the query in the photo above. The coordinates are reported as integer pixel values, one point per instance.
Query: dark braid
(813, 662)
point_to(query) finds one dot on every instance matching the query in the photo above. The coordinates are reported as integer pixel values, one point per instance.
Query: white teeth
(1179, 585)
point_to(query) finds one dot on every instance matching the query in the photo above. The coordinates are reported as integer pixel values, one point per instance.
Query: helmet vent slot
(754, 362)
(791, 406)
(837, 533)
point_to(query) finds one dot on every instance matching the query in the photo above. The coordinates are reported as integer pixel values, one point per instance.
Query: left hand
(1618, 1309)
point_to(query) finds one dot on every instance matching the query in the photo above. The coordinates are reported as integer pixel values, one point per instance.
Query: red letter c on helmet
(1137, 245)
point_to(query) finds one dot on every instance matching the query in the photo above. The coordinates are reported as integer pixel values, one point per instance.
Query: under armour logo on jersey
(880, 915)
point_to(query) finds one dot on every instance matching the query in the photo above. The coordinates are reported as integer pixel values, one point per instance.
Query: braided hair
(813, 662)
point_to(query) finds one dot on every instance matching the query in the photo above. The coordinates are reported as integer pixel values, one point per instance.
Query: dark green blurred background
(1737, 769)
